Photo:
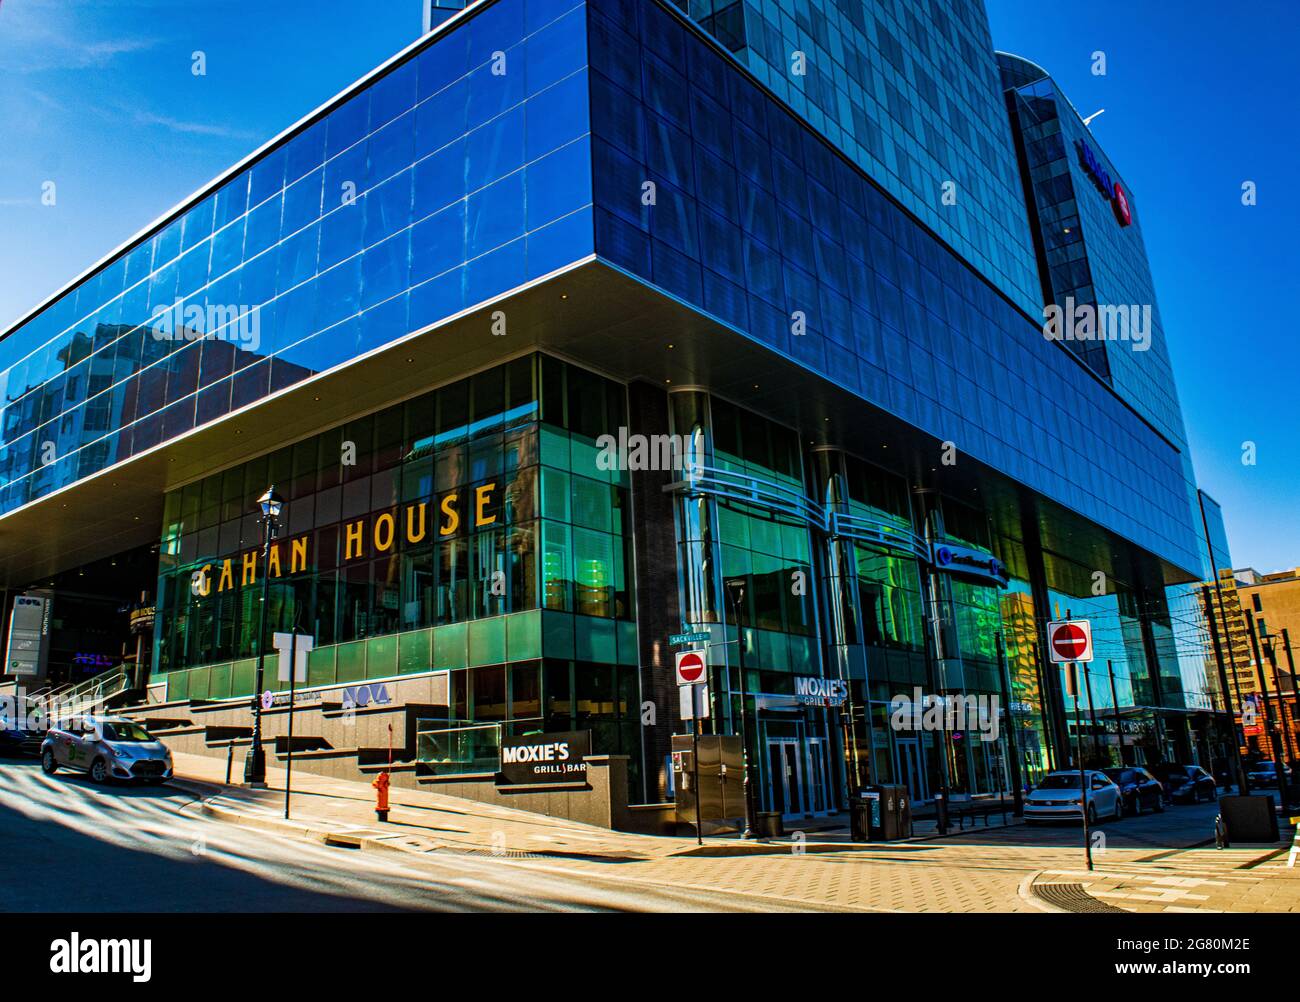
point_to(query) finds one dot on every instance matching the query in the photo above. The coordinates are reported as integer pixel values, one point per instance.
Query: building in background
(459, 318)
(1271, 604)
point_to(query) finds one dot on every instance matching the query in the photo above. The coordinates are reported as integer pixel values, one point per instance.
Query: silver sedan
(106, 748)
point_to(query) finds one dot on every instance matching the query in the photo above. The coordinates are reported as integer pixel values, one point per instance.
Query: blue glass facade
(909, 93)
(760, 222)
(399, 207)
(682, 194)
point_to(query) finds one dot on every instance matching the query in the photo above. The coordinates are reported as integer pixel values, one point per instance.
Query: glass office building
(425, 313)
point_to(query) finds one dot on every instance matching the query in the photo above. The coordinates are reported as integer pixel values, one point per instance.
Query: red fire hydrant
(381, 796)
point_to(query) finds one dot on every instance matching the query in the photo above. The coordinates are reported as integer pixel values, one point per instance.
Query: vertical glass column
(699, 553)
(845, 655)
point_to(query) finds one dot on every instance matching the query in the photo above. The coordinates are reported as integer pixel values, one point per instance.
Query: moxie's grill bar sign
(451, 514)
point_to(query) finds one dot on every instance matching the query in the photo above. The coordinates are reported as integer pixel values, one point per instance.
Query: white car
(106, 748)
(1056, 797)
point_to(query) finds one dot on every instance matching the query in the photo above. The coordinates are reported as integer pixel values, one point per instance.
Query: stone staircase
(328, 739)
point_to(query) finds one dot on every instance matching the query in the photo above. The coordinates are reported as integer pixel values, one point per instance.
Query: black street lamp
(255, 763)
(736, 592)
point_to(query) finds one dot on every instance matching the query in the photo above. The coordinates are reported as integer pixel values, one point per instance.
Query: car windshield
(125, 731)
(1070, 782)
(1266, 767)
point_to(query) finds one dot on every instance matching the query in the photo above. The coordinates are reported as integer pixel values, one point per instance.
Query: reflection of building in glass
(462, 281)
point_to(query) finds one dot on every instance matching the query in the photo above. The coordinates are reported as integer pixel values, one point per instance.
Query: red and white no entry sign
(1070, 640)
(690, 668)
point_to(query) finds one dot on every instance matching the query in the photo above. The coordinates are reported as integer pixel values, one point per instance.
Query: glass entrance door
(910, 768)
(818, 776)
(786, 774)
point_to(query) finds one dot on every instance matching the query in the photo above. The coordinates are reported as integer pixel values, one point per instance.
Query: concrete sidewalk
(967, 874)
(343, 811)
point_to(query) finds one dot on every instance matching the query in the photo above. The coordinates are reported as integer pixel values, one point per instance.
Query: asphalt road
(67, 845)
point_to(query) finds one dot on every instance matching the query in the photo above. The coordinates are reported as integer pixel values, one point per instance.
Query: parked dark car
(1185, 783)
(1140, 790)
(1264, 774)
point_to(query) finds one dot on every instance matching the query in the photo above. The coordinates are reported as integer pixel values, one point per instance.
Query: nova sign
(1101, 178)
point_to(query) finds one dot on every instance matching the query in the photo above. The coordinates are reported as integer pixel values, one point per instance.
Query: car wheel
(48, 765)
(1137, 805)
(98, 771)
(1092, 814)
(1160, 805)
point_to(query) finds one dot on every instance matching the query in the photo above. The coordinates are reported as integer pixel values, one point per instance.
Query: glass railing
(454, 748)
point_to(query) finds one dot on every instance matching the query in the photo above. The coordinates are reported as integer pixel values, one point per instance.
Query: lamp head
(271, 503)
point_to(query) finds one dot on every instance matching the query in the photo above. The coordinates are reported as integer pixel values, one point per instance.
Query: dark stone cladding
(658, 606)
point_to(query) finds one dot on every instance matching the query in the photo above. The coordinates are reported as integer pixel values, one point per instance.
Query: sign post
(1069, 642)
(293, 649)
(691, 670)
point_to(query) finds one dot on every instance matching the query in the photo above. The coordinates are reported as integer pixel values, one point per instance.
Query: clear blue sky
(1199, 97)
(98, 96)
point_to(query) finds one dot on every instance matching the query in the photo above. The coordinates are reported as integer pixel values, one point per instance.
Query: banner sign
(545, 758)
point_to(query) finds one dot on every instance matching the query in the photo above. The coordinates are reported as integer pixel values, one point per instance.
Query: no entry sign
(690, 668)
(1070, 640)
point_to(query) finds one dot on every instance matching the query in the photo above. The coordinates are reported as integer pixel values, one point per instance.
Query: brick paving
(991, 871)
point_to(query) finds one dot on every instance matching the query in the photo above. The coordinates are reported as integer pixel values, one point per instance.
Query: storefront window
(442, 509)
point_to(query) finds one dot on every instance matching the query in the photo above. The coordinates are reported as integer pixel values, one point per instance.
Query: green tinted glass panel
(487, 641)
(352, 661)
(381, 657)
(320, 666)
(524, 636)
(449, 646)
(414, 651)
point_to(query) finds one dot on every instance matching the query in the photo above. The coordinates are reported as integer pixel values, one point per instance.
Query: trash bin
(768, 824)
(1249, 819)
(893, 818)
(864, 814)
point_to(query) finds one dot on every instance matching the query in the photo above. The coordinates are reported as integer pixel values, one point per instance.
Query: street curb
(206, 792)
(771, 849)
(1025, 891)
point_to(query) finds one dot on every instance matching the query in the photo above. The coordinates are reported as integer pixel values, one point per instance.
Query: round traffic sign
(690, 667)
(1069, 642)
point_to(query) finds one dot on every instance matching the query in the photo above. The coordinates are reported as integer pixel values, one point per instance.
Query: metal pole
(748, 833)
(1268, 719)
(1290, 663)
(695, 760)
(1004, 675)
(255, 763)
(1083, 776)
(293, 681)
(1290, 741)
(1045, 714)
(1092, 713)
(1119, 723)
(1243, 784)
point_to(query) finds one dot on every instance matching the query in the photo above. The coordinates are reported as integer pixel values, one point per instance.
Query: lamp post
(1269, 642)
(1278, 751)
(736, 592)
(255, 763)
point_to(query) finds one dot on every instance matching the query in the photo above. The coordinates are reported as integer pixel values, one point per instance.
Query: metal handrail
(781, 498)
(877, 533)
(748, 489)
